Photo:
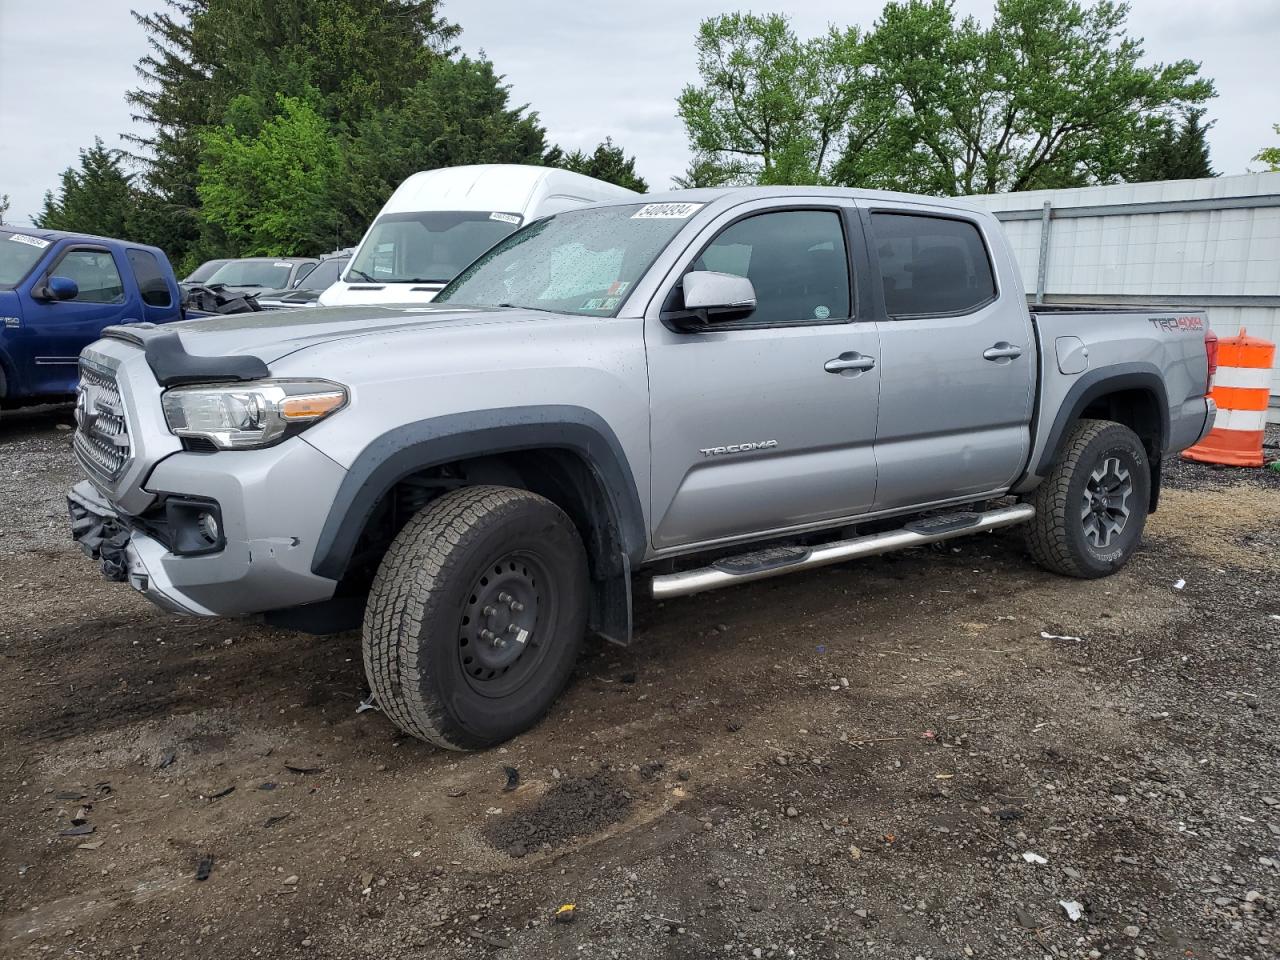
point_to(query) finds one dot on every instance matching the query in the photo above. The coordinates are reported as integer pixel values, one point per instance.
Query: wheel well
(562, 476)
(1140, 411)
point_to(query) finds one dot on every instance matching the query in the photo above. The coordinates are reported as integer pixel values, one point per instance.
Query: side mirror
(58, 288)
(713, 297)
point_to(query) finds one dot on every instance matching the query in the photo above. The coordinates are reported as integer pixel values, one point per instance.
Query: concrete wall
(1212, 243)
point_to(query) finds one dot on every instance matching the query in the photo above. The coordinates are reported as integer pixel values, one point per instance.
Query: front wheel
(476, 616)
(1091, 508)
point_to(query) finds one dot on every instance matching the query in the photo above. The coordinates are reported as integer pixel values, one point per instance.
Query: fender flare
(413, 447)
(1099, 383)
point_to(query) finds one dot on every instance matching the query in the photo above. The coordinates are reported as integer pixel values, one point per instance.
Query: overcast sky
(590, 70)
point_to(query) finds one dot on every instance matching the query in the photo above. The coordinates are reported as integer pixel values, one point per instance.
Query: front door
(765, 423)
(57, 330)
(957, 371)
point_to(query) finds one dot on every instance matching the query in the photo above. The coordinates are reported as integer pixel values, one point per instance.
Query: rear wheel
(1091, 508)
(476, 617)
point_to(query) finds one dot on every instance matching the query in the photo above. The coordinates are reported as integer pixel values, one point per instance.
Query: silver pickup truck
(679, 393)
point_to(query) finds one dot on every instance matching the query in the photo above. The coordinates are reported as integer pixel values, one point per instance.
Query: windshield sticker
(666, 211)
(504, 217)
(610, 303)
(283, 263)
(821, 312)
(30, 241)
(618, 288)
(593, 304)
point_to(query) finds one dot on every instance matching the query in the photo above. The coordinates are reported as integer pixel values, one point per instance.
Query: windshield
(203, 272)
(582, 262)
(426, 247)
(18, 254)
(253, 273)
(323, 276)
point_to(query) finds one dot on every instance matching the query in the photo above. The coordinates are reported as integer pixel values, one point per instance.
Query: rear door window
(151, 279)
(931, 266)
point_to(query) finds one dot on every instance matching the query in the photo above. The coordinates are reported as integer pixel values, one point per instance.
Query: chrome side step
(775, 561)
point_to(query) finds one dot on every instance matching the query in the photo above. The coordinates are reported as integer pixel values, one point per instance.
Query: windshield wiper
(362, 275)
(523, 306)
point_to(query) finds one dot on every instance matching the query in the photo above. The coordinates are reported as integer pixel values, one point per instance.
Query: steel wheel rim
(502, 630)
(1104, 510)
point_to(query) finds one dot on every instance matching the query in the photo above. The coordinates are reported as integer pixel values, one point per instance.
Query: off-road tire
(1057, 537)
(414, 640)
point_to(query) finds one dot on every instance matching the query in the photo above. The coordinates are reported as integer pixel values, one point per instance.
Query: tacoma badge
(738, 448)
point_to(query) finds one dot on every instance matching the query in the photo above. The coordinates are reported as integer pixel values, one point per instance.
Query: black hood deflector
(173, 366)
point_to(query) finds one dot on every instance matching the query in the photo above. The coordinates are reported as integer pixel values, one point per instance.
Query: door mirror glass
(715, 296)
(61, 288)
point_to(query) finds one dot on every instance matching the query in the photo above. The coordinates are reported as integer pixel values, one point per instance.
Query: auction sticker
(30, 241)
(504, 217)
(666, 211)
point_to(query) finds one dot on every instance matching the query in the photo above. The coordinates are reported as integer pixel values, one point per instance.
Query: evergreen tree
(608, 163)
(1178, 151)
(96, 196)
(460, 113)
(358, 56)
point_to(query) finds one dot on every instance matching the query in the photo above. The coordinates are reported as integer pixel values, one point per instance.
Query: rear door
(59, 329)
(768, 423)
(957, 367)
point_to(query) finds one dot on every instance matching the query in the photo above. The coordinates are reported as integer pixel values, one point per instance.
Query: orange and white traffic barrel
(1241, 389)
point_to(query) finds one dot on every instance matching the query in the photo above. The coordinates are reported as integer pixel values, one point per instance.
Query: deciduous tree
(770, 107)
(1052, 93)
(271, 192)
(1270, 155)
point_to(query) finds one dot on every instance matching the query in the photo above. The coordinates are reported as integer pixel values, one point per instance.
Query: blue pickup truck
(57, 291)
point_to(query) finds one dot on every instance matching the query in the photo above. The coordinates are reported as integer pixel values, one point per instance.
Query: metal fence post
(1043, 269)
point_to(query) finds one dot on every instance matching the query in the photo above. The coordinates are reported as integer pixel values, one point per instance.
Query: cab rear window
(151, 279)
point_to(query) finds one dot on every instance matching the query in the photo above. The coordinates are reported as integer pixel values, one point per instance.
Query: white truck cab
(438, 221)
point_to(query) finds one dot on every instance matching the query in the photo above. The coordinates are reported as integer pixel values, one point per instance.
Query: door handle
(1002, 351)
(849, 362)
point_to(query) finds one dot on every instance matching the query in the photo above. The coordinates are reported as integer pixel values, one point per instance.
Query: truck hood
(272, 334)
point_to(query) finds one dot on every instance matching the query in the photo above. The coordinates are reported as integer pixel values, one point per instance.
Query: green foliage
(460, 113)
(1270, 155)
(271, 192)
(96, 196)
(1178, 151)
(703, 171)
(770, 108)
(317, 107)
(4, 207)
(1052, 93)
(608, 163)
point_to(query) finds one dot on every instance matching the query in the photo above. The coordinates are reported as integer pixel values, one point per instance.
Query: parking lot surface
(942, 753)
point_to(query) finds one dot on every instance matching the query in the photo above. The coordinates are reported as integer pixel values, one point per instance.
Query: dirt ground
(884, 759)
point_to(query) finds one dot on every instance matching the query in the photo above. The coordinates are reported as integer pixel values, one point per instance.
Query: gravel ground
(883, 759)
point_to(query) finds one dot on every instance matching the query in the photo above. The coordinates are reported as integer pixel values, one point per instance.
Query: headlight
(238, 416)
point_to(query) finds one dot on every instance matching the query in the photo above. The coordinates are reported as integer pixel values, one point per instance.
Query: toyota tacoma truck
(675, 393)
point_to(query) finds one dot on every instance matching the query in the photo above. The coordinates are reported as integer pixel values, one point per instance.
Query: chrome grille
(102, 432)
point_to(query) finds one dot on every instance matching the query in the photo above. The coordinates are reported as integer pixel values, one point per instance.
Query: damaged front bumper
(124, 553)
(225, 534)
